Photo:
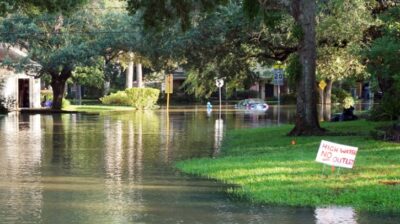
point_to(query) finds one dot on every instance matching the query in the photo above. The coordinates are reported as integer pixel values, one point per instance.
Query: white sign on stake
(336, 154)
(219, 83)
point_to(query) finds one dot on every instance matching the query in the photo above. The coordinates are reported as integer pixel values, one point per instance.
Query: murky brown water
(117, 168)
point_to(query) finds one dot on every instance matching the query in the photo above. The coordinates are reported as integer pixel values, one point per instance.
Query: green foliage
(382, 62)
(340, 33)
(285, 174)
(293, 70)
(34, 7)
(348, 102)
(139, 98)
(89, 76)
(6, 103)
(159, 14)
(65, 103)
(60, 42)
(230, 48)
(297, 31)
(119, 98)
(388, 109)
(47, 96)
(339, 95)
(142, 98)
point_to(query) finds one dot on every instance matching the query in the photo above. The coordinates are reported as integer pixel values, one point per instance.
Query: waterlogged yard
(270, 169)
(118, 167)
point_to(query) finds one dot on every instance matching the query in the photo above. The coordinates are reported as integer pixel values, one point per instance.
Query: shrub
(46, 99)
(388, 109)
(339, 95)
(142, 98)
(65, 103)
(119, 99)
(46, 95)
(347, 102)
(6, 104)
(139, 98)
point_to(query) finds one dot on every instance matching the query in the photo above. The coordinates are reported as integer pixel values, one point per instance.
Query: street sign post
(219, 83)
(278, 78)
(169, 84)
(322, 84)
(169, 87)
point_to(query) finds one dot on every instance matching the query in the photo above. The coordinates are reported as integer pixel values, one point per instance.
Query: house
(23, 88)
(265, 85)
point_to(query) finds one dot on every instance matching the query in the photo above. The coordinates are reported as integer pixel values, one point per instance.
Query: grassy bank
(267, 168)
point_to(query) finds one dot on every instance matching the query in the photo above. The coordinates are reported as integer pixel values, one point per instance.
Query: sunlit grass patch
(267, 168)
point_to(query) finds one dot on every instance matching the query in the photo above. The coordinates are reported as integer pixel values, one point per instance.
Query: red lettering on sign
(326, 155)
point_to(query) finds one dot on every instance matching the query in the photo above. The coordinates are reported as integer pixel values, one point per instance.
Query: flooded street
(118, 168)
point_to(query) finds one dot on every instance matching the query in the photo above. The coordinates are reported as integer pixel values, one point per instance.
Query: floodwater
(118, 168)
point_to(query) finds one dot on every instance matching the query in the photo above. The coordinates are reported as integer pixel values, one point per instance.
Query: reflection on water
(117, 168)
(218, 136)
(20, 173)
(335, 215)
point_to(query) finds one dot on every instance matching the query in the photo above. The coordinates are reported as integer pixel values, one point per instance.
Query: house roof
(14, 54)
(8, 51)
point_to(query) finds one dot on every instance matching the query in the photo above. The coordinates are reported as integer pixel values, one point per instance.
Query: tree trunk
(328, 92)
(307, 123)
(58, 81)
(129, 75)
(58, 86)
(139, 75)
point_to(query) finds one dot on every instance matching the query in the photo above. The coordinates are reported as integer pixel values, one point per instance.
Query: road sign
(219, 82)
(169, 84)
(278, 77)
(322, 84)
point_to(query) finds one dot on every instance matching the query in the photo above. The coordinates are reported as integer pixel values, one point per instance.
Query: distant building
(24, 89)
(265, 85)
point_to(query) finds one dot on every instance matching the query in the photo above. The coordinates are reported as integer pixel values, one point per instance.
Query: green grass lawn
(267, 168)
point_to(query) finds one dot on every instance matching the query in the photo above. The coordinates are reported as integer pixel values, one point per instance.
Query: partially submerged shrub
(7, 104)
(119, 99)
(347, 102)
(139, 98)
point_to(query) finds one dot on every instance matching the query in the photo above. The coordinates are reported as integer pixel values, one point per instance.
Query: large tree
(57, 43)
(158, 13)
